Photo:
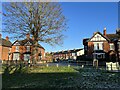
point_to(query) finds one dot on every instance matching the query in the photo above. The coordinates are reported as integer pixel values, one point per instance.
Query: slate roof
(112, 36)
(4, 42)
(67, 51)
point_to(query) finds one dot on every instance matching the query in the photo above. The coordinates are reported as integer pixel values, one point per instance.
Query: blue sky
(83, 20)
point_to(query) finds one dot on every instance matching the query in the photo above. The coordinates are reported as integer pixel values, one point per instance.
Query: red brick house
(22, 50)
(103, 46)
(5, 48)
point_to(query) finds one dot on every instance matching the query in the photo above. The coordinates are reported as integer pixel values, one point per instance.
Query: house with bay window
(23, 50)
(103, 46)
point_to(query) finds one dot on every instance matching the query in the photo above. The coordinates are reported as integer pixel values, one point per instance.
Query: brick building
(5, 47)
(68, 54)
(20, 50)
(23, 50)
(103, 46)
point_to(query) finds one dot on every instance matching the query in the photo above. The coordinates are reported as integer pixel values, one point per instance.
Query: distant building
(103, 46)
(68, 54)
(5, 48)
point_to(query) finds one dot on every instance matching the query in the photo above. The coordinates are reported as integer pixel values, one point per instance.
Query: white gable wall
(98, 37)
(16, 43)
(28, 43)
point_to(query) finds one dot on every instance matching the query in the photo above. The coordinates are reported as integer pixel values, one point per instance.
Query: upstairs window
(28, 48)
(111, 46)
(17, 48)
(98, 46)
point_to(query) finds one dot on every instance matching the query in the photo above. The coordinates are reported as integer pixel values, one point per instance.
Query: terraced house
(103, 46)
(68, 54)
(22, 50)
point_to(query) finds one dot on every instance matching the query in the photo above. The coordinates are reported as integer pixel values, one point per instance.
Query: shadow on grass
(21, 78)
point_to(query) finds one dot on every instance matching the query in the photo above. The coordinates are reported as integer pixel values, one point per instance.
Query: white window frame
(28, 48)
(112, 46)
(16, 56)
(98, 44)
(17, 48)
(26, 57)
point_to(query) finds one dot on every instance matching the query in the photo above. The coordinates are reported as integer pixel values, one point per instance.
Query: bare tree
(43, 20)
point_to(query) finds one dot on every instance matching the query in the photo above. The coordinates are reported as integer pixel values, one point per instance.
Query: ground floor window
(16, 56)
(26, 57)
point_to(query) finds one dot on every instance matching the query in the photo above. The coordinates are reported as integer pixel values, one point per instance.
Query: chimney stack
(0, 36)
(27, 35)
(104, 31)
(7, 38)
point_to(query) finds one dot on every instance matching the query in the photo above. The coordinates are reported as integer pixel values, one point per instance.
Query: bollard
(111, 66)
(68, 65)
(82, 66)
(47, 65)
(57, 65)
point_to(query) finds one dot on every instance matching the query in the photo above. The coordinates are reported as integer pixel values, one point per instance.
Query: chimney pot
(7, 38)
(104, 31)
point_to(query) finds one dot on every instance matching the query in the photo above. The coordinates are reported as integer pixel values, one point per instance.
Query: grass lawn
(53, 77)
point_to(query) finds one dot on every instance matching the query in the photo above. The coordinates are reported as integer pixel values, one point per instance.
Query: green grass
(58, 77)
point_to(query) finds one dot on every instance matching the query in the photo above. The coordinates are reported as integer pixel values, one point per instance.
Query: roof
(112, 36)
(23, 42)
(4, 42)
(108, 37)
(67, 51)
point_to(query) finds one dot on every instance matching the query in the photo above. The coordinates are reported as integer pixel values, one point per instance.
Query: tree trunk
(35, 52)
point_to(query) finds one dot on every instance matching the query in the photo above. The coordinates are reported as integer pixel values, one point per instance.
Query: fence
(112, 66)
(14, 62)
